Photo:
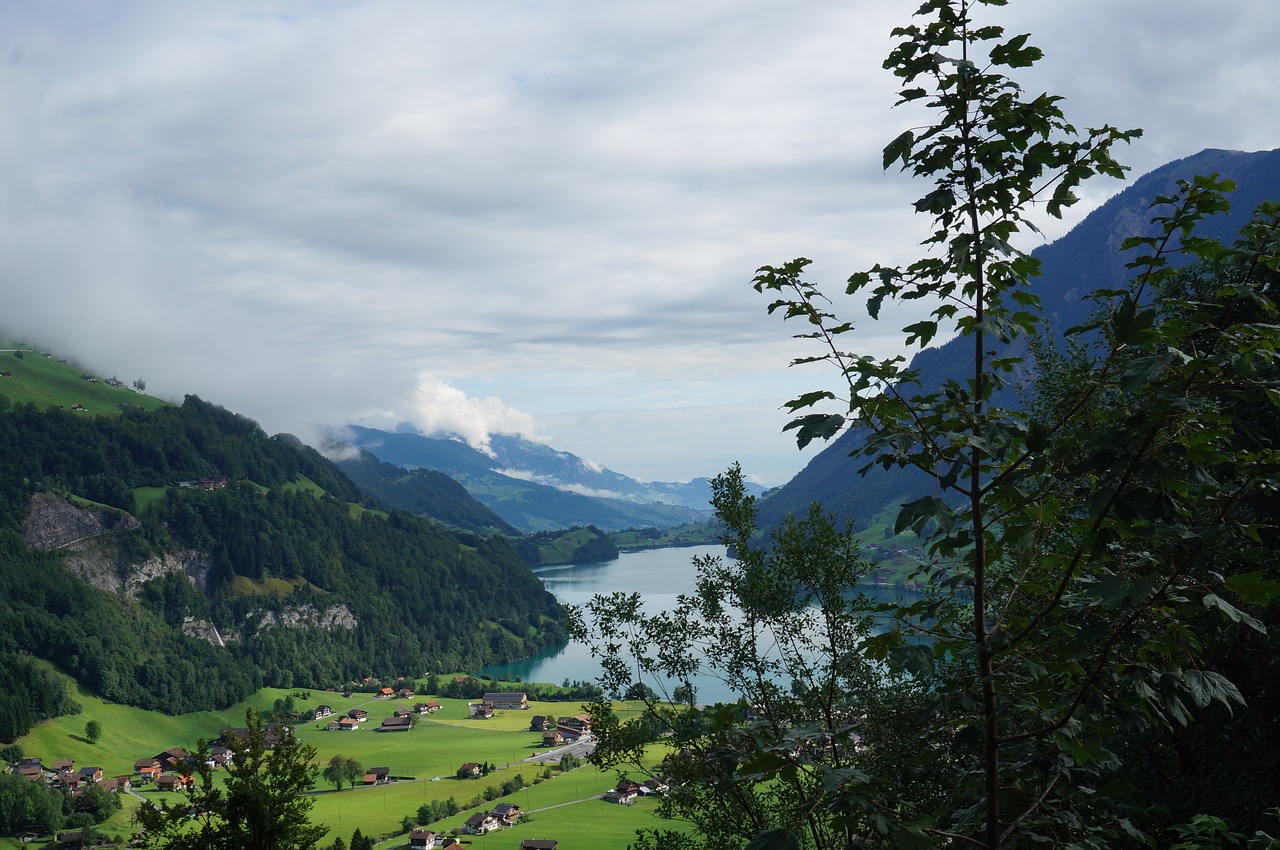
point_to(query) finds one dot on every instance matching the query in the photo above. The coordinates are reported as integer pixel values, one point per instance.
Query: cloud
(533, 218)
(436, 407)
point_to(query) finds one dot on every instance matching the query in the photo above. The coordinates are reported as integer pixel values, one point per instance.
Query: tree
(1074, 540)
(360, 841)
(343, 769)
(140, 385)
(93, 731)
(262, 802)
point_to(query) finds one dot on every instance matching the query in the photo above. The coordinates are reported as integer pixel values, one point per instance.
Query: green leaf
(899, 149)
(1253, 588)
(774, 839)
(815, 426)
(1232, 613)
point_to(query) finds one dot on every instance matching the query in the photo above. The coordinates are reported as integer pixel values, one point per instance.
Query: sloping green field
(49, 382)
(425, 760)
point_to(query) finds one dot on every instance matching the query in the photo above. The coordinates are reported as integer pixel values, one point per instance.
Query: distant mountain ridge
(537, 488)
(1088, 258)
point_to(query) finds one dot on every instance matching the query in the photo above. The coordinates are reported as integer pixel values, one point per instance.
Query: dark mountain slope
(1086, 259)
(425, 492)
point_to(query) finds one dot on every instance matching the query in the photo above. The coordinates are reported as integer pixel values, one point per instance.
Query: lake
(658, 575)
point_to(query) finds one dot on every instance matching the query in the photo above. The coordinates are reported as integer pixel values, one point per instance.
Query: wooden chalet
(508, 813)
(397, 724)
(422, 839)
(480, 823)
(470, 770)
(516, 701)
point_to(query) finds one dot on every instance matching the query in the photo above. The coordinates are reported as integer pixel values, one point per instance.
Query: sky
(517, 216)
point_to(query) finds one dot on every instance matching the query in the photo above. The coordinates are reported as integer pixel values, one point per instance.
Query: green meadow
(424, 762)
(48, 382)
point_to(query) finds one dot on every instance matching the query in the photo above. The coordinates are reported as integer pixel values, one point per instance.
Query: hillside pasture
(424, 762)
(47, 382)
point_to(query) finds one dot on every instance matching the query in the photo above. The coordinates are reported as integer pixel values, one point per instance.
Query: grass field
(48, 382)
(424, 760)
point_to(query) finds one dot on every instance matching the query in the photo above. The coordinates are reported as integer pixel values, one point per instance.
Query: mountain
(537, 488)
(178, 558)
(1086, 259)
(425, 492)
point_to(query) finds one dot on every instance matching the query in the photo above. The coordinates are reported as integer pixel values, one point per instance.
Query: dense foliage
(259, 800)
(27, 805)
(1097, 556)
(32, 693)
(283, 538)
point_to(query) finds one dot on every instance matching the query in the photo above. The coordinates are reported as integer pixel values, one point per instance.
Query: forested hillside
(180, 559)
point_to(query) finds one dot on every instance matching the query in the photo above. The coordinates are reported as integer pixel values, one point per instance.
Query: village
(555, 740)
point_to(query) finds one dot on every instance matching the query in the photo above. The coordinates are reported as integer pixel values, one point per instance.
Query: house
(615, 796)
(359, 715)
(479, 710)
(380, 774)
(171, 782)
(90, 774)
(323, 711)
(575, 727)
(552, 738)
(508, 813)
(397, 724)
(385, 693)
(470, 770)
(150, 772)
(345, 724)
(422, 839)
(540, 723)
(627, 786)
(507, 701)
(480, 823)
(63, 765)
(653, 786)
(421, 708)
(538, 844)
(401, 712)
(406, 693)
(624, 793)
(118, 784)
(173, 757)
(72, 839)
(433, 706)
(68, 779)
(141, 763)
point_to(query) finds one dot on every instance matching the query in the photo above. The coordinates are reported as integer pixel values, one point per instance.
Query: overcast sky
(538, 217)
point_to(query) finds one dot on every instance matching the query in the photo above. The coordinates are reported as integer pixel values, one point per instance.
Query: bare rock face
(90, 549)
(307, 616)
(84, 538)
(54, 523)
(205, 630)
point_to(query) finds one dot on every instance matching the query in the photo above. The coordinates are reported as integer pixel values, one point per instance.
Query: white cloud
(437, 407)
(534, 218)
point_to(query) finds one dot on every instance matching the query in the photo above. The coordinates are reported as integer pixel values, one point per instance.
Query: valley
(563, 805)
